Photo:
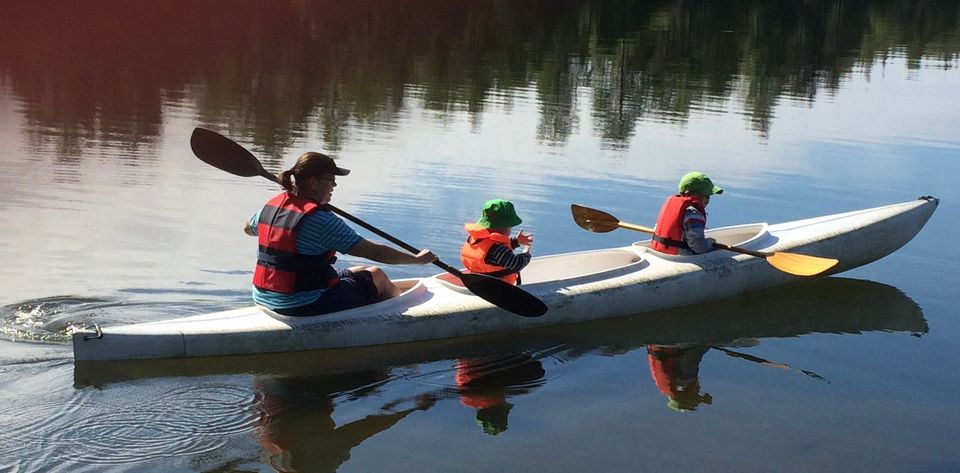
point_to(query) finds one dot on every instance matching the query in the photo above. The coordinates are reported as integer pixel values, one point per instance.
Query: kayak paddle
(599, 221)
(765, 362)
(225, 154)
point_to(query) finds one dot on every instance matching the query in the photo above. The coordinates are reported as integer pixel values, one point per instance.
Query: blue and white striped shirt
(694, 224)
(501, 255)
(318, 233)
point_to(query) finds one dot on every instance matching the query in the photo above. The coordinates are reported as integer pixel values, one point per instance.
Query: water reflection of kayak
(574, 287)
(831, 305)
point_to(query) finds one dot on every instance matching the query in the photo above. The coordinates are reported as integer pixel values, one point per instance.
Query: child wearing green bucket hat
(683, 217)
(490, 250)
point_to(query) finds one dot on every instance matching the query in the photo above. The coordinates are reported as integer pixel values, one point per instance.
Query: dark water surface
(797, 109)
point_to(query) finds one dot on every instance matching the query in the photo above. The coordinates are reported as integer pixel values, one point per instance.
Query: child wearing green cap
(683, 217)
(489, 249)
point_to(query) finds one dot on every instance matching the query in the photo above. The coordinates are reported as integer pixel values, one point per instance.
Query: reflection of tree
(271, 71)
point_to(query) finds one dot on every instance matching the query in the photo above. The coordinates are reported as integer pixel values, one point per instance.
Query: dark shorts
(353, 290)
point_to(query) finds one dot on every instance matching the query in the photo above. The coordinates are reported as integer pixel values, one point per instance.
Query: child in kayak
(683, 217)
(490, 250)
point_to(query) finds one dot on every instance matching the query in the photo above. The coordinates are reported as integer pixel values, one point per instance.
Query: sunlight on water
(47, 320)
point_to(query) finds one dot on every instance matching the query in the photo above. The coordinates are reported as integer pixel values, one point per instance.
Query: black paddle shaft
(446, 267)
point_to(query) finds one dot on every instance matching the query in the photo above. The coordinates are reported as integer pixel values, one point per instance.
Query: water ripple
(186, 420)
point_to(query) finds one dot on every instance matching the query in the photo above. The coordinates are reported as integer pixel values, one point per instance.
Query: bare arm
(248, 229)
(385, 254)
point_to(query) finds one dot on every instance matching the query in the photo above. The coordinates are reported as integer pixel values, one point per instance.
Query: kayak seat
(737, 235)
(567, 266)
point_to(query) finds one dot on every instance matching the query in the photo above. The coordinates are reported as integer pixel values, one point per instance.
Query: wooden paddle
(801, 265)
(225, 154)
(772, 364)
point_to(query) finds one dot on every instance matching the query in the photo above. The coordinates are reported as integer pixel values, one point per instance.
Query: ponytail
(285, 180)
(310, 164)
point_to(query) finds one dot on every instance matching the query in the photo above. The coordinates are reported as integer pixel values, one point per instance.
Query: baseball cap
(698, 183)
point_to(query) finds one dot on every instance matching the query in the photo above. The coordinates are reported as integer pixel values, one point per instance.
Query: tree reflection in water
(274, 70)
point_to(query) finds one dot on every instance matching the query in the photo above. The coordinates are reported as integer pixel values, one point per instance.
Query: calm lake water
(797, 109)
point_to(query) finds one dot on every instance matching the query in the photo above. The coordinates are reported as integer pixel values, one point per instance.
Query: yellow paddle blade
(801, 265)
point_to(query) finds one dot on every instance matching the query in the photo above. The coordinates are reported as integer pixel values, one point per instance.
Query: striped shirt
(501, 255)
(318, 233)
(694, 223)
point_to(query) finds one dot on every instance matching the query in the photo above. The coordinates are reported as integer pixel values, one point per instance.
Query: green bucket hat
(683, 402)
(493, 420)
(698, 183)
(498, 213)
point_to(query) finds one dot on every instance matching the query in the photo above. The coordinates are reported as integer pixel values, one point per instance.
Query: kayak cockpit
(412, 292)
(747, 235)
(585, 264)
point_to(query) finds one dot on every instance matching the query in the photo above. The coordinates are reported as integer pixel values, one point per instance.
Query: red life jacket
(663, 368)
(474, 253)
(280, 268)
(668, 234)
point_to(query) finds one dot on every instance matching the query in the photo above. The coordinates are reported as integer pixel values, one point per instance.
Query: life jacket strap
(286, 261)
(671, 242)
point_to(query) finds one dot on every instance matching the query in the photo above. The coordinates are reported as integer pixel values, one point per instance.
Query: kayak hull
(576, 287)
(834, 305)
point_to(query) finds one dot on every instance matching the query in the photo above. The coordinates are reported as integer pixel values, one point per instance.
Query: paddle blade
(225, 154)
(593, 220)
(801, 265)
(504, 295)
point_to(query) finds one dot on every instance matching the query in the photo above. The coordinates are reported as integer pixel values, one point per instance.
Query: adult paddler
(298, 243)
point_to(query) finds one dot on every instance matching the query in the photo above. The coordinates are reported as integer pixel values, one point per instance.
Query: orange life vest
(483, 397)
(474, 253)
(668, 234)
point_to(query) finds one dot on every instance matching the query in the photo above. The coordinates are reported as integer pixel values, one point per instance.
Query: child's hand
(525, 239)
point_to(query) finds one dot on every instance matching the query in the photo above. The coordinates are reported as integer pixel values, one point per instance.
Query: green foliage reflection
(270, 71)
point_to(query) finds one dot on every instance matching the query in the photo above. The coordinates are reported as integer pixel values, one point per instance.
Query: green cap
(698, 183)
(498, 213)
(493, 419)
(683, 401)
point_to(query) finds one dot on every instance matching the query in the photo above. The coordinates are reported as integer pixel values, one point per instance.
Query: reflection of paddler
(296, 427)
(483, 382)
(676, 372)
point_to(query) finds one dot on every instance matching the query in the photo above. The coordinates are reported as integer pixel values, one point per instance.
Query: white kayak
(834, 305)
(576, 287)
